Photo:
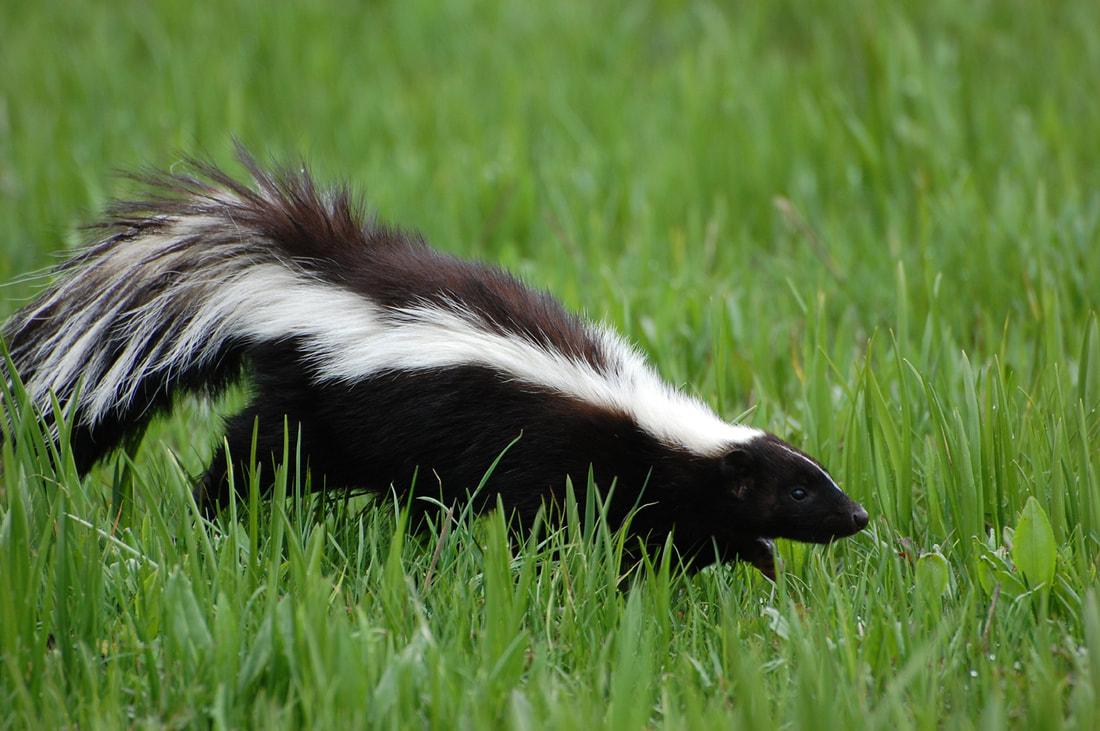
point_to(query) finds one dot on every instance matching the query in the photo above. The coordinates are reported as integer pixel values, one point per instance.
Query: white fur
(431, 337)
(345, 336)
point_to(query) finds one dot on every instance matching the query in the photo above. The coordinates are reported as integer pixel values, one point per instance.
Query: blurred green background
(871, 227)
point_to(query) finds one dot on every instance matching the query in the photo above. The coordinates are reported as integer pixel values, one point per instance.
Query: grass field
(870, 227)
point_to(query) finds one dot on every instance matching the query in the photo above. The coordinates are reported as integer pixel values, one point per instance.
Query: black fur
(372, 435)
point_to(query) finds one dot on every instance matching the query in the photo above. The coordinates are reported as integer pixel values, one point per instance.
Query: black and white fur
(393, 358)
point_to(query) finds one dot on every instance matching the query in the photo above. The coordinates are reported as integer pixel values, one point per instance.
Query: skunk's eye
(799, 493)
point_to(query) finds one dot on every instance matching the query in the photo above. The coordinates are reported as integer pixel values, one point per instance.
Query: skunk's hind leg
(231, 469)
(278, 421)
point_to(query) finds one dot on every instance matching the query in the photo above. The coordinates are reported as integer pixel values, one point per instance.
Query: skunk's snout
(859, 518)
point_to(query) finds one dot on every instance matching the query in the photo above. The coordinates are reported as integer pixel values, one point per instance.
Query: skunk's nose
(859, 518)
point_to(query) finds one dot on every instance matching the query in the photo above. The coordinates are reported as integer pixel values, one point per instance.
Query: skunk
(397, 366)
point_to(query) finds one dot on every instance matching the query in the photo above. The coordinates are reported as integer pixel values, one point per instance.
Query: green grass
(870, 227)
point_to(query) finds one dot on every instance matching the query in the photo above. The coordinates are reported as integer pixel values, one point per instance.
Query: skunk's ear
(738, 470)
(737, 461)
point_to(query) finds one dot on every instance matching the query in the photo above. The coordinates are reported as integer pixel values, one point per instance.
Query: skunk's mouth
(832, 527)
(846, 523)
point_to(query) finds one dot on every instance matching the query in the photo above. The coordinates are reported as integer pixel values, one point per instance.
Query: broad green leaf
(1034, 549)
(932, 575)
(186, 621)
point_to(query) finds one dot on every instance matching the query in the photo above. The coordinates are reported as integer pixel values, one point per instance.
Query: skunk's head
(777, 491)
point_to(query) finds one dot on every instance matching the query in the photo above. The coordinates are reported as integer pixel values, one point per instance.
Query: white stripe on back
(345, 338)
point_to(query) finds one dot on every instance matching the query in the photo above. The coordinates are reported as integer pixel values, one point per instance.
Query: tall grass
(869, 227)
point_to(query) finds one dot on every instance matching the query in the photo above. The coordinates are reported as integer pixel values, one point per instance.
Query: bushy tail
(175, 294)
